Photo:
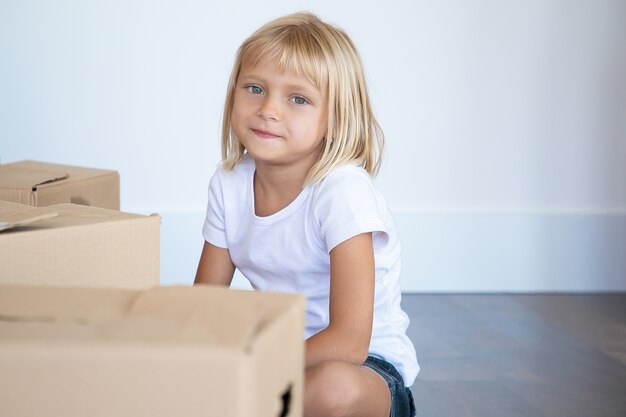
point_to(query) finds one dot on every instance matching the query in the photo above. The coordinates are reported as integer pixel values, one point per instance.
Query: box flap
(53, 315)
(208, 315)
(67, 304)
(67, 215)
(201, 315)
(15, 215)
(35, 173)
(17, 176)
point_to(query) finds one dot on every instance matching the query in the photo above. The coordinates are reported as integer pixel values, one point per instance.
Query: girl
(293, 208)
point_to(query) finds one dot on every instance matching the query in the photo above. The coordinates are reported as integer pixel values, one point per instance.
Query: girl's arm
(215, 266)
(348, 334)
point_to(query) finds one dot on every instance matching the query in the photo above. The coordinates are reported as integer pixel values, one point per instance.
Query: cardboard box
(74, 245)
(169, 351)
(41, 184)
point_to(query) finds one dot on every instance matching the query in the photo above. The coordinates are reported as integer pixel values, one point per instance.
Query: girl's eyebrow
(253, 77)
(302, 88)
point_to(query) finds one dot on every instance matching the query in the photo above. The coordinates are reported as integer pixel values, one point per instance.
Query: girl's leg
(341, 389)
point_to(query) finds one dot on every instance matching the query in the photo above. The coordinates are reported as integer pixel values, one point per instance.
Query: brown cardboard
(168, 351)
(21, 217)
(74, 245)
(42, 184)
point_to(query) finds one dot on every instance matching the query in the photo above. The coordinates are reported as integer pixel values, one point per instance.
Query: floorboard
(519, 355)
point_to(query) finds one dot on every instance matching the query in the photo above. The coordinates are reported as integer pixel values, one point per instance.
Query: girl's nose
(269, 110)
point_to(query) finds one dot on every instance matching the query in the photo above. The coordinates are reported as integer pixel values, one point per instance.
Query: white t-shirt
(289, 250)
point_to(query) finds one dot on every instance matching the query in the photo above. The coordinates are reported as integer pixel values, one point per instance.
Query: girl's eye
(299, 100)
(254, 89)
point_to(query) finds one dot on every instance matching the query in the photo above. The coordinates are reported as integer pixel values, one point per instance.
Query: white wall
(505, 121)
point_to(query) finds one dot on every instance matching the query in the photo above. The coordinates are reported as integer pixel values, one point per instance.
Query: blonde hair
(301, 43)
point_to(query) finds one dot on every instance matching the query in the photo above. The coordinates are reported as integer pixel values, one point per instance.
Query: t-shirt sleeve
(214, 230)
(347, 205)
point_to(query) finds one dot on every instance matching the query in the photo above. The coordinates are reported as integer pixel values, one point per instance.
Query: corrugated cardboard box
(74, 245)
(170, 351)
(41, 184)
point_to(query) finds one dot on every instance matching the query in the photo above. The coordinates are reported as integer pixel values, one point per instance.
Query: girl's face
(279, 117)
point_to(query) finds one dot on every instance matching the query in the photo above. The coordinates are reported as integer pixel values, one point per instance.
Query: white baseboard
(467, 251)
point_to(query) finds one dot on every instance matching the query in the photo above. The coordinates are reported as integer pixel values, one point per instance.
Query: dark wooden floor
(519, 355)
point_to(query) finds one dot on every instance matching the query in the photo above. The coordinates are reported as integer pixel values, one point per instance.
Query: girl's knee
(331, 389)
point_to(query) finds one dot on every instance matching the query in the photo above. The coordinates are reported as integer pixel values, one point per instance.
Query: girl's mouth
(264, 134)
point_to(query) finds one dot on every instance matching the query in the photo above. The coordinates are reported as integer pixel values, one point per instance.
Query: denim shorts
(402, 404)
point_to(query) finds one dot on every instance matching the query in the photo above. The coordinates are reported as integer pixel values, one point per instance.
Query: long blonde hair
(301, 43)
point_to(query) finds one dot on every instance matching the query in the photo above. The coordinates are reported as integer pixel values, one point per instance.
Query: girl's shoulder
(345, 176)
(347, 181)
(227, 184)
